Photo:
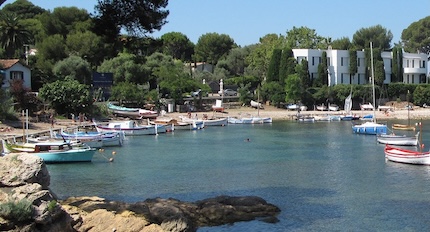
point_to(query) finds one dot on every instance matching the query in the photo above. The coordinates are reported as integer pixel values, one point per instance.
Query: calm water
(323, 177)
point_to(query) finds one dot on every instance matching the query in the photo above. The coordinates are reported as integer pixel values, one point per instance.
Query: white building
(13, 69)
(414, 66)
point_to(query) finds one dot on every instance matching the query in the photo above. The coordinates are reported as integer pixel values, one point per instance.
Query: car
(228, 92)
(198, 92)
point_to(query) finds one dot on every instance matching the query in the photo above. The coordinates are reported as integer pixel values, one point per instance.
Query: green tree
(261, 54)
(303, 71)
(125, 69)
(63, 20)
(49, 51)
(211, 47)
(293, 88)
(378, 35)
(422, 95)
(133, 16)
(87, 45)
(153, 63)
(341, 44)
(353, 66)
(67, 96)
(12, 34)
(274, 92)
(127, 91)
(396, 65)
(177, 45)
(322, 78)
(417, 36)
(304, 37)
(285, 68)
(274, 66)
(174, 82)
(74, 67)
(24, 8)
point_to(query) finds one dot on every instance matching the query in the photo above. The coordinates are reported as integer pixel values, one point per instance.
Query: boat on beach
(131, 112)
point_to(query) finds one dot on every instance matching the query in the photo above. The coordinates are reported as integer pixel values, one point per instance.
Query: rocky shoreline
(27, 204)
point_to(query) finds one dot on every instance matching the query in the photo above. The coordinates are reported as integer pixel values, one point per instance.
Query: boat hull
(74, 155)
(398, 140)
(406, 156)
(370, 128)
(402, 127)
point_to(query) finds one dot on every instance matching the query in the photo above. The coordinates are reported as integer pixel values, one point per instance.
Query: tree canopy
(417, 36)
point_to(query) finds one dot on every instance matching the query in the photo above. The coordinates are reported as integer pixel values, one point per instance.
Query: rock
(25, 178)
(21, 168)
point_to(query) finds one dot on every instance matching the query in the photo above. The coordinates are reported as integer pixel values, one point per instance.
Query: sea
(321, 175)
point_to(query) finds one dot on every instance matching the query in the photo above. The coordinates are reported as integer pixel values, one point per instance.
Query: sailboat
(371, 127)
(347, 107)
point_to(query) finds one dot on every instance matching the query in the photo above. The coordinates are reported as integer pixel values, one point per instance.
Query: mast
(373, 81)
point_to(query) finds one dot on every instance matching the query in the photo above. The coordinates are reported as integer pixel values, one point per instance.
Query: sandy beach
(10, 129)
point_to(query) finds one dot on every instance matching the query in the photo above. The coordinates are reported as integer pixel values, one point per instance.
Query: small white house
(13, 69)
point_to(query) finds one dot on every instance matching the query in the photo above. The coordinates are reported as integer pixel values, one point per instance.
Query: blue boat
(370, 128)
(52, 152)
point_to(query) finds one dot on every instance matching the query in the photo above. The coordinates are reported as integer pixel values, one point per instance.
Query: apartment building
(415, 66)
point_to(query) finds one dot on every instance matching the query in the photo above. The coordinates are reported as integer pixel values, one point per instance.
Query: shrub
(16, 211)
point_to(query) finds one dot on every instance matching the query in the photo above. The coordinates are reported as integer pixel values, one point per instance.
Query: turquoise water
(323, 177)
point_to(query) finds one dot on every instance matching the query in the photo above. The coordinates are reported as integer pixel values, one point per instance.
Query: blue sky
(245, 21)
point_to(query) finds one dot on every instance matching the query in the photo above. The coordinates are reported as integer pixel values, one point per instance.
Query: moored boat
(131, 127)
(400, 140)
(401, 155)
(52, 152)
(397, 126)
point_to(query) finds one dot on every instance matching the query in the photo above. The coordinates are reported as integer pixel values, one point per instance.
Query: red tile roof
(5, 64)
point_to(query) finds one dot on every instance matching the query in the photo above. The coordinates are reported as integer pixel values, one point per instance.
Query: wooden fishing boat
(401, 155)
(403, 127)
(407, 156)
(52, 151)
(401, 140)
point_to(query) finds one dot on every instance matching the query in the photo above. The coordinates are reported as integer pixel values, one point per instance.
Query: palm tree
(12, 34)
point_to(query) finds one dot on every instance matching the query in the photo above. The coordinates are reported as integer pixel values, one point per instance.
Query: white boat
(256, 105)
(249, 120)
(173, 124)
(52, 152)
(333, 107)
(131, 127)
(401, 155)
(131, 112)
(371, 127)
(207, 122)
(400, 140)
(367, 106)
(304, 118)
(107, 139)
(321, 107)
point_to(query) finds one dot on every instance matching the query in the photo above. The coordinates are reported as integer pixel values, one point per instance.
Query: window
(16, 75)
(424, 64)
(413, 63)
(407, 63)
(341, 78)
(358, 62)
(341, 61)
(313, 60)
(328, 61)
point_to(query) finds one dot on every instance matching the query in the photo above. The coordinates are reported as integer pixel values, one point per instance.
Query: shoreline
(14, 129)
